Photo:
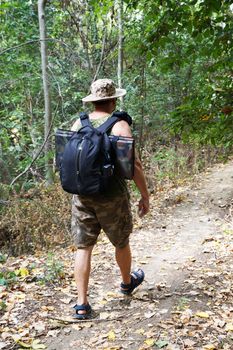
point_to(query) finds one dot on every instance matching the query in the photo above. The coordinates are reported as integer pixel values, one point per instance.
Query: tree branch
(3, 202)
(32, 42)
(102, 54)
(37, 153)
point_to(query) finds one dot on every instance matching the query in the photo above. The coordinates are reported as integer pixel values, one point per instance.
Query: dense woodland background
(175, 60)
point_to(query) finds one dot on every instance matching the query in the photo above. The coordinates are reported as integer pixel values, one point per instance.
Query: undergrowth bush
(172, 164)
(34, 220)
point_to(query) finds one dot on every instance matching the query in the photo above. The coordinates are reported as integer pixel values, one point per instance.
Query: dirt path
(189, 224)
(185, 246)
(179, 255)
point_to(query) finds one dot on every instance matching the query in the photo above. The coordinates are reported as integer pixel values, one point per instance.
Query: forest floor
(185, 246)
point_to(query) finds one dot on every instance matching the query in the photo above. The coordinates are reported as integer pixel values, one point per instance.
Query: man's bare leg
(123, 258)
(82, 268)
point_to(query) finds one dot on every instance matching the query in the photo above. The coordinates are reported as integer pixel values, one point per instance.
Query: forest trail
(185, 246)
(189, 224)
(183, 252)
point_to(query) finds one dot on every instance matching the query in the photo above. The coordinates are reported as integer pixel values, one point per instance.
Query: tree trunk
(46, 87)
(32, 130)
(120, 48)
(143, 104)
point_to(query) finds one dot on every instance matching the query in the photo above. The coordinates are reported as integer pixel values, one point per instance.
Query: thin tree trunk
(32, 122)
(120, 48)
(101, 55)
(143, 103)
(87, 37)
(46, 87)
(77, 20)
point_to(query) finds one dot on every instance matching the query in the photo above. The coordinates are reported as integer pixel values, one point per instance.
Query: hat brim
(92, 98)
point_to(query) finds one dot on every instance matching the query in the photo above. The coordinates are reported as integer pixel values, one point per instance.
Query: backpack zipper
(78, 159)
(80, 147)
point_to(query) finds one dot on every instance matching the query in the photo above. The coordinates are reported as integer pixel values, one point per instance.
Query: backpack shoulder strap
(84, 118)
(122, 115)
(108, 124)
(116, 116)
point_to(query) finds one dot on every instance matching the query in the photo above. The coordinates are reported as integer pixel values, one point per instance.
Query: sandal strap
(123, 285)
(137, 278)
(83, 307)
(137, 275)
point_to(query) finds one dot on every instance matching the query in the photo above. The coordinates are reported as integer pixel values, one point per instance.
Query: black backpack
(88, 161)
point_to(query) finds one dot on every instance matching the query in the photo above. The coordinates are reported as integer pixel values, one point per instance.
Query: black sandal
(83, 307)
(137, 277)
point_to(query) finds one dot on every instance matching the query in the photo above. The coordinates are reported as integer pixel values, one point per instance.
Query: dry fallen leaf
(150, 342)
(111, 335)
(54, 332)
(3, 345)
(16, 337)
(39, 326)
(229, 327)
(219, 323)
(189, 342)
(66, 300)
(76, 327)
(36, 345)
(143, 262)
(140, 331)
(172, 347)
(209, 347)
(104, 315)
(112, 294)
(149, 314)
(202, 314)
(6, 335)
(24, 345)
(186, 316)
(47, 308)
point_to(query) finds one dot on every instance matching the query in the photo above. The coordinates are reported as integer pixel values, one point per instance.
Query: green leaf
(161, 343)
(3, 282)
(24, 345)
(36, 345)
(3, 257)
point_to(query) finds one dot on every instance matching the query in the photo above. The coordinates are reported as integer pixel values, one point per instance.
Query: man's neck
(102, 112)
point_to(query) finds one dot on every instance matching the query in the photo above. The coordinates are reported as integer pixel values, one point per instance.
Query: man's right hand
(143, 206)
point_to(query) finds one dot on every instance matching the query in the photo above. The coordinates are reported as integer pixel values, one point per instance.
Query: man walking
(110, 211)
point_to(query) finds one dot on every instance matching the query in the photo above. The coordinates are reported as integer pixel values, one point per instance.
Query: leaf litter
(37, 294)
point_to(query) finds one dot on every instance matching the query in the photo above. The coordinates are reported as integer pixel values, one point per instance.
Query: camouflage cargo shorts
(90, 215)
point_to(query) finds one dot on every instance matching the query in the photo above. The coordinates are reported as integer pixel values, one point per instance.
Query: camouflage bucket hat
(103, 89)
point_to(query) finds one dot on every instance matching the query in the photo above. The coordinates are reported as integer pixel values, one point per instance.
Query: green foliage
(177, 72)
(53, 270)
(3, 307)
(183, 304)
(169, 164)
(3, 258)
(7, 278)
(172, 163)
(188, 51)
